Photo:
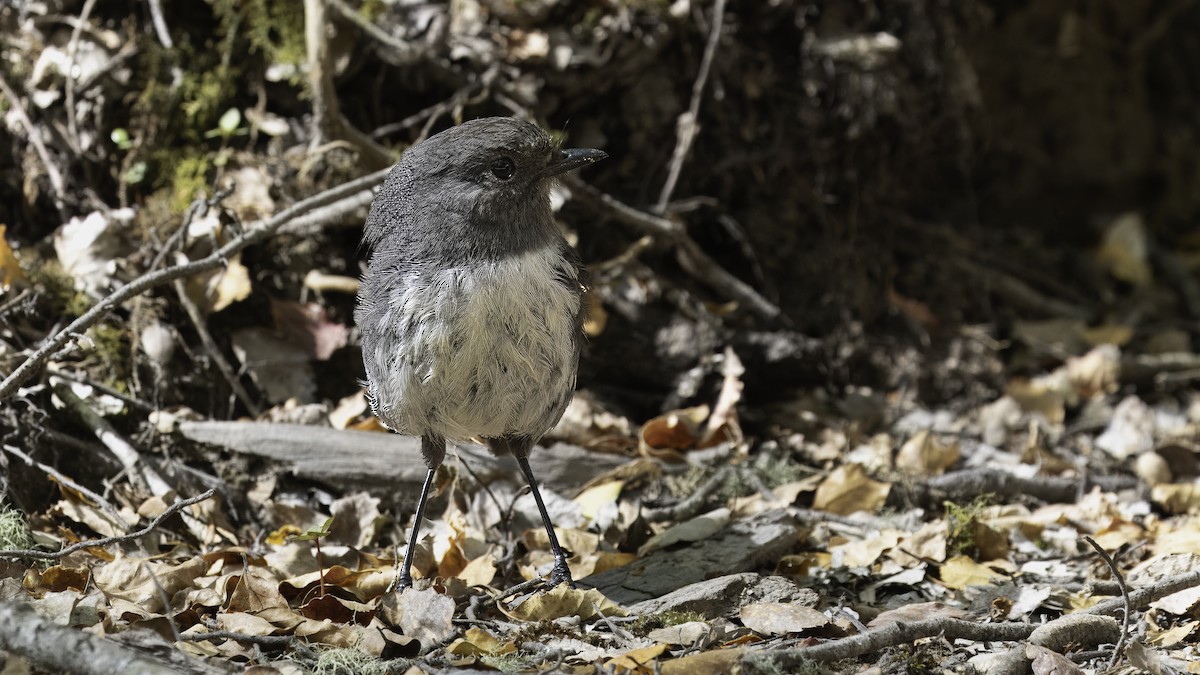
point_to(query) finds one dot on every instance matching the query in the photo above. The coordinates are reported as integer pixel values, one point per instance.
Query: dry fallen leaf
(641, 661)
(687, 634)
(926, 454)
(427, 616)
(477, 641)
(849, 489)
(560, 601)
(960, 572)
(10, 269)
(916, 612)
(780, 618)
(1124, 250)
(699, 528)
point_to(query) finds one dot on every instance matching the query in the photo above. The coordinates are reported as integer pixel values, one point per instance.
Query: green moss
(14, 534)
(507, 663)
(960, 524)
(58, 289)
(275, 28)
(110, 354)
(371, 9)
(648, 622)
(355, 662)
(189, 176)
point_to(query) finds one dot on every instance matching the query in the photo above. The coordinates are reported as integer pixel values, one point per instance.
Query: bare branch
(327, 206)
(688, 124)
(105, 541)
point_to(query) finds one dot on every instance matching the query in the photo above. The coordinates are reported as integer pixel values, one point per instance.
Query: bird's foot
(403, 582)
(560, 574)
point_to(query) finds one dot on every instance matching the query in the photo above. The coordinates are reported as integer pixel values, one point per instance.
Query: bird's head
(480, 188)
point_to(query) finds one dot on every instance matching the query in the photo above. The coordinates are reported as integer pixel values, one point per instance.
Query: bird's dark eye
(503, 168)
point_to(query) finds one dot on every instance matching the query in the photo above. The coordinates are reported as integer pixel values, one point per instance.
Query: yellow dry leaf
(282, 535)
(864, 552)
(480, 571)
(1176, 497)
(802, 564)
(10, 270)
(230, 286)
(1172, 636)
(1108, 334)
(925, 454)
(1124, 251)
(561, 601)
(478, 642)
(848, 489)
(597, 497)
(579, 542)
(960, 572)
(636, 660)
(711, 662)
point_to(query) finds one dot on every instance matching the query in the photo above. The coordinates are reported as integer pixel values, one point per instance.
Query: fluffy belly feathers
(486, 353)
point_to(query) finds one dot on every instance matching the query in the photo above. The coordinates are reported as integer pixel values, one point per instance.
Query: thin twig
(103, 388)
(395, 52)
(105, 541)
(328, 122)
(688, 124)
(326, 206)
(691, 257)
(165, 600)
(59, 476)
(1112, 567)
(214, 351)
(432, 112)
(262, 640)
(160, 24)
(69, 86)
(56, 180)
(690, 506)
(122, 449)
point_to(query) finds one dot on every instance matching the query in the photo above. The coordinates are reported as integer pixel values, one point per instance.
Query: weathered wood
(366, 459)
(61, 649)
(741, 547)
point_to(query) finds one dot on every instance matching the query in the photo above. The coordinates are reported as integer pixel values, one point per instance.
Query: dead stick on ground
(61, 477)
(691, 257)
(129, 457)
(64, 649)
(105, 541)
(688, 124)
(327, 206)
(35, 139)
(69, 85)
(1112, 567)
(214, 351)
(327, 116)
(892, 635)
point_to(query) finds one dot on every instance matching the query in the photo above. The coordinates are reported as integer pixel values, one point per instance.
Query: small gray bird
(471, 309)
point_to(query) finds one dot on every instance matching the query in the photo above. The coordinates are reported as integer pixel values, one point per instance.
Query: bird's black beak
(573, 158)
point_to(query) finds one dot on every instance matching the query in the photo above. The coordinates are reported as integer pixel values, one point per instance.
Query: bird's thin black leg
(405, 580)
(561, 572)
